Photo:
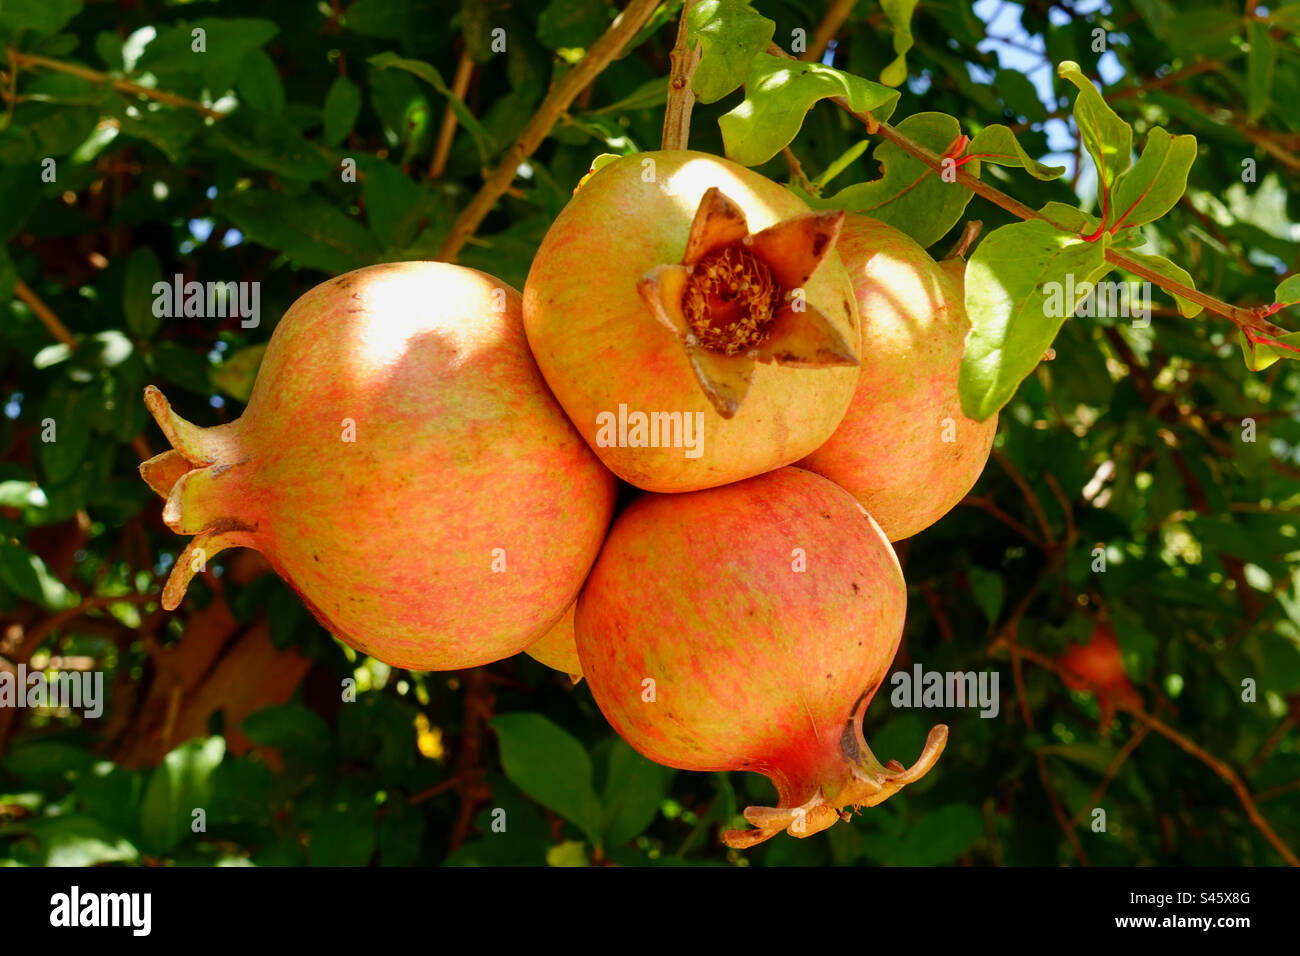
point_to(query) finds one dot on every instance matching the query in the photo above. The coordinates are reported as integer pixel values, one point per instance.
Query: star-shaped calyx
(737, 299)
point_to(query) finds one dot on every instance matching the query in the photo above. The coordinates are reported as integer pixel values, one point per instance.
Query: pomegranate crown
(738, 298)
(187, 477)
(858, 780)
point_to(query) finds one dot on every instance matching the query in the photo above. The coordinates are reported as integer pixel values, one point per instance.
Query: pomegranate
(693, 319)
(904, 448)
(556, 648)
(747, 627)
(402, 465)
(1098, 667)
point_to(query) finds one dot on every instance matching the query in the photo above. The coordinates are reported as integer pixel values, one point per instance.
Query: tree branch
(1241, 317)
(625, 26)
(20, 59)
(681, 98)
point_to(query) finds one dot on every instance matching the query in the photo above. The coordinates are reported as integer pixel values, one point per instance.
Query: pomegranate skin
(557, 648)
(600, 346)
(695, 601)
(904, 449)
(402, 464)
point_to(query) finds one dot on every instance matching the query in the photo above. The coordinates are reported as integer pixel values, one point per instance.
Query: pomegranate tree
(402, 465)
(747, 627)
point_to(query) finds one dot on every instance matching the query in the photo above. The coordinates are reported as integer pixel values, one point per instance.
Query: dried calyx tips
(738, 298)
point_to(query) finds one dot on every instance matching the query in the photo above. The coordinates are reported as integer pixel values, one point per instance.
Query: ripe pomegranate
(747, 627)
(556, 648)
(402, 465)
(693, 319)
(904, 448)
(1098, 667)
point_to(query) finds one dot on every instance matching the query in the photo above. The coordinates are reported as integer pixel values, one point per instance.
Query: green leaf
(568, 853)
(26, 575)
(1259, 355)
(779, 93)
(1288, 292)
(226, 40)
(76, 841)
(730, 35)
(1019, 95)
(633, 792)
(8, 276)
(841, 163)
(1154, 184)
(65, 419)
(552, 767)
(1209, 33)
(1259, 69)
(271, 144)
(297, 732)
(386, 19)
(237, 373)
(572, 23)
(1108, 139)
(142, 272)
(1170, 270)
(21, 494)
(307, 229)
(19, 197)
(430, 75)
(899, 13)
(178, 786)
(1016, 287)
(170, 131)
(909, 195)
(988, 588)
(39, 16)
(345, 834)
(401, 831)
(998, 145)
(395, 204)
(1286, 17)
(342, 106)
(259, 84)
(937, 838)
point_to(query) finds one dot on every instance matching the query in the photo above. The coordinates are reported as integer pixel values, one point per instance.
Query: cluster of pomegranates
(431, 461)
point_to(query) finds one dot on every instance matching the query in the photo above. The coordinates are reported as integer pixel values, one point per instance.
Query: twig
(826, 30)
(969, 233)
(1224, 772)
(464, 70)
(796, 171)
(44, 313)
(20, 59)
(469, 774)
(1275, 738)
(681, 98)
(1125, 752)
(1277, 791)
(984, 504)
(36, 635)
(1031, 499)
(936, 610)
(1058, 811)
(625, 26)
(1243, 318)
(1071, 531)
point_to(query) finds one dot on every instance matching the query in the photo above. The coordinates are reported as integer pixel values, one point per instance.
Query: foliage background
(232, 703)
